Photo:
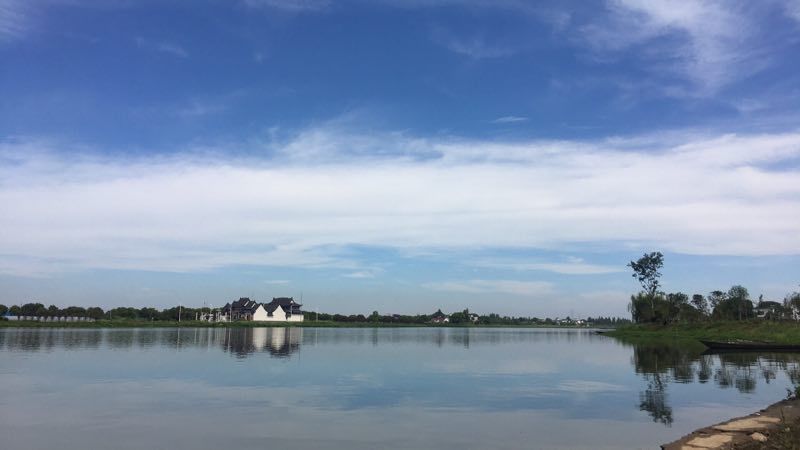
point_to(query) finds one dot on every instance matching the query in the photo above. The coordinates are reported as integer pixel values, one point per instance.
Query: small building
(767, 309)
(439, 317)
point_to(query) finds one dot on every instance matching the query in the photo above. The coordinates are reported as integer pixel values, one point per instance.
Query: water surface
(386, 388)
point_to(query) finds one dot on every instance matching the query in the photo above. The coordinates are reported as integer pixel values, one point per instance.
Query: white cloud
(514, 287)
(510, 119)
(64, 207)
(276, 281)
(711, 43)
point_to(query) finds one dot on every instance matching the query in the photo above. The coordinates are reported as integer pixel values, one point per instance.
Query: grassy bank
(199, 324)
(757, 330)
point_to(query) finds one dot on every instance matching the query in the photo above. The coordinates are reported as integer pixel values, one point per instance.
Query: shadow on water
(663, 362)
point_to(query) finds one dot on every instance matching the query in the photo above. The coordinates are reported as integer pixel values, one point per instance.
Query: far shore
(244, 324)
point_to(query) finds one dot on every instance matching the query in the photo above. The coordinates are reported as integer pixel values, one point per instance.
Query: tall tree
(646, 271)
(740, 299)
(3, 310)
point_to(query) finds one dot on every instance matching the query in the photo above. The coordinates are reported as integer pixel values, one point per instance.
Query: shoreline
(103, 324)
(755, 330)
(775, 427)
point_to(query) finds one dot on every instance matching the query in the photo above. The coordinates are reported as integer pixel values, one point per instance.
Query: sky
(401, 156)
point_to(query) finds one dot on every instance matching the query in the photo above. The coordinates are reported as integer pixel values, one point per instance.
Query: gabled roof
(286, 303)
(244, 304)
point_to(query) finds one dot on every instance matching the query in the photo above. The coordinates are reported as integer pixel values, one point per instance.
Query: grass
(756, 330)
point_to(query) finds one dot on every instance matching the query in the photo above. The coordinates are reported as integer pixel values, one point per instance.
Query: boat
(744, 345)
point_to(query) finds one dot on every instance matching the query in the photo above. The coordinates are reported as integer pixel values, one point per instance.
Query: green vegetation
(756, 330)
(182, 316)
(655, 307)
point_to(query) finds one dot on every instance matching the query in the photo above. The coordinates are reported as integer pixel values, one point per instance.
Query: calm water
(414, 388)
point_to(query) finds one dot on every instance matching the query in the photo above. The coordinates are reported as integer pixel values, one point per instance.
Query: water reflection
(276, 341)
(661, 363)
(370, 388)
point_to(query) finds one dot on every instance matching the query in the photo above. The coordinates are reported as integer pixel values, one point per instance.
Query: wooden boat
(743, 345)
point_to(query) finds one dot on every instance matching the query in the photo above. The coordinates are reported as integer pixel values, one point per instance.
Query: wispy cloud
(475, 47)
(792, 9)
(276, 281)
(510, 119)
(14, 19)
(294, 6)
(322, 190)
(572, 266)
(514, 287)
(711, 43)
(170, 48)
(360, 274)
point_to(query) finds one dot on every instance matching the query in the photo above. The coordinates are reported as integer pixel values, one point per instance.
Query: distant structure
(48, 318)
(280, 309)
(439, 317)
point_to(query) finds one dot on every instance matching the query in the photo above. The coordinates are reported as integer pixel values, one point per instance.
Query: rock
(758, 437)
(750, 423)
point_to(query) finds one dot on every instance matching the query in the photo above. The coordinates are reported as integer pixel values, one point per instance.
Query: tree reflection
(661, 363)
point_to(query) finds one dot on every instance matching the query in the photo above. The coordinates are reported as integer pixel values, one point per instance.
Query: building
(439, 317)
(281, 309)
(767, 309)
(242, 309)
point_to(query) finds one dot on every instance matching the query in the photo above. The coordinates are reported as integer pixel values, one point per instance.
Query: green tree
(741, 301)
(646, 271)
(148, 313)
(700, 303)
(53, 311)
(31, 309)
(3, 310)
(715, 298)
(95, 313)
(15, 310)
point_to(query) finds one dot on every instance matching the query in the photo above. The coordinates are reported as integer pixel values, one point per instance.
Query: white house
(282, 309)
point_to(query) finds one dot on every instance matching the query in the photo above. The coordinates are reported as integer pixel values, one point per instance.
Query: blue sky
(402, 156)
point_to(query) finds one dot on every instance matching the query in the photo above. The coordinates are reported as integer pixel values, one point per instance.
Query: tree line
(97, 313)
(652, 305)
(182, 313)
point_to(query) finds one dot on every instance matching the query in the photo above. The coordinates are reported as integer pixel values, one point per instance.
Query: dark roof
(286, 303)
(244, 304)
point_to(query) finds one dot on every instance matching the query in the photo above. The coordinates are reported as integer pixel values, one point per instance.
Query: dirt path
(742, 432)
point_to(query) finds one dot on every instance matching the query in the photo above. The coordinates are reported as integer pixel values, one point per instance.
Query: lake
(363, 388)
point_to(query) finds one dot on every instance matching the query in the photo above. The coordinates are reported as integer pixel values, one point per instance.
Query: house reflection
(278, 342)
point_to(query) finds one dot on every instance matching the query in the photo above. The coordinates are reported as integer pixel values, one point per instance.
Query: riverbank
(756, 330)
(200, 324)
(776, 427)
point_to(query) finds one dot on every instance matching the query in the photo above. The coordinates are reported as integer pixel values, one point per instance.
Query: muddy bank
(772, 428)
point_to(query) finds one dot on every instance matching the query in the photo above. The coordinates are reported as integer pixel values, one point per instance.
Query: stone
(758, 437)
